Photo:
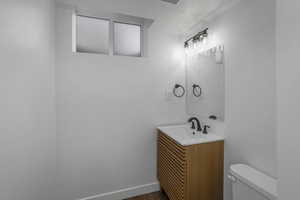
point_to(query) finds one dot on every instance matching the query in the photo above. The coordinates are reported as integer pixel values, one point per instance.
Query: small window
(127, 39)
(111, 34)
(92, 35)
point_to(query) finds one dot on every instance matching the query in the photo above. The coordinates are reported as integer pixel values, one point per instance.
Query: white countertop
(183, 134)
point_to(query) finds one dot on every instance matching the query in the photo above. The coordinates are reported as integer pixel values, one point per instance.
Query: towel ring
(177, 88)
(197, 90)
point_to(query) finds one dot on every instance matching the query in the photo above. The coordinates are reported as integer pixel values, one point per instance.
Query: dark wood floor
(152, 196)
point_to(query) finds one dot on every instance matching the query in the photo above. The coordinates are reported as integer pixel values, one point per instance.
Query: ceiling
(173, 17)
(188, 13)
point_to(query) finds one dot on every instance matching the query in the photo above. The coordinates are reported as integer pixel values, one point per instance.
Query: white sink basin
(184, 135)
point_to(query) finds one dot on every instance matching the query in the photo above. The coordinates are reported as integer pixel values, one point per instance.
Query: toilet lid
(255, 179)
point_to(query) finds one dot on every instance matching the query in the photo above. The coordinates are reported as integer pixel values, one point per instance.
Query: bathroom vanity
(190, 166)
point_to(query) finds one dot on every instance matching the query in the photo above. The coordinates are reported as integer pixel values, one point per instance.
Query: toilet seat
(257, 180)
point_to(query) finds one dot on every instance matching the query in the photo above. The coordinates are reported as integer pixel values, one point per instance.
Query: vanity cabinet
(193, 172)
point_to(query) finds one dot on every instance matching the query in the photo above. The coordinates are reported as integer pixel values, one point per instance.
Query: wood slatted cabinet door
(192, 172)
(171, 167)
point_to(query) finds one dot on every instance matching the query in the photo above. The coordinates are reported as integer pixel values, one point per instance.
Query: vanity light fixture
(171, 1)
(199, 37)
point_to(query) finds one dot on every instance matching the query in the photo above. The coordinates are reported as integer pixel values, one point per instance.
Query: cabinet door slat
(171, 167)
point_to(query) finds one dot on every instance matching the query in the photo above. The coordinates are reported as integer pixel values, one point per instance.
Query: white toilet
(250, 184)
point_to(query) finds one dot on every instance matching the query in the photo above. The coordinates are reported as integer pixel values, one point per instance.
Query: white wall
(247, 31)
(288, 46)
(105, 146)
(27, 139)
(108, 107)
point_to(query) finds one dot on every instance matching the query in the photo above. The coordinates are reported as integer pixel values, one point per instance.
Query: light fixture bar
(171, 1)
(199, 36)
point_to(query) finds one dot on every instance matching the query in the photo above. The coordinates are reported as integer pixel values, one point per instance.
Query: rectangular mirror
(206, 84)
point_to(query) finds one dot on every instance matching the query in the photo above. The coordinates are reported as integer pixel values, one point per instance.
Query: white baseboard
(126, 193)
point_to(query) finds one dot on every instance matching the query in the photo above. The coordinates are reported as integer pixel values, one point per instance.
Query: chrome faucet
(193, 120)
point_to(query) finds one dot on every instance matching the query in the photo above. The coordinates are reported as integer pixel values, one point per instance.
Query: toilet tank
(250, 184)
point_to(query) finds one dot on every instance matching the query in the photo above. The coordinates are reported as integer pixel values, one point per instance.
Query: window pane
(92, 35)
(127, 39)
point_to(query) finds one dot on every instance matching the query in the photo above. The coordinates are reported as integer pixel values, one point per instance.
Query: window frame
(111, 43)
(96, 18)
(141, 37)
